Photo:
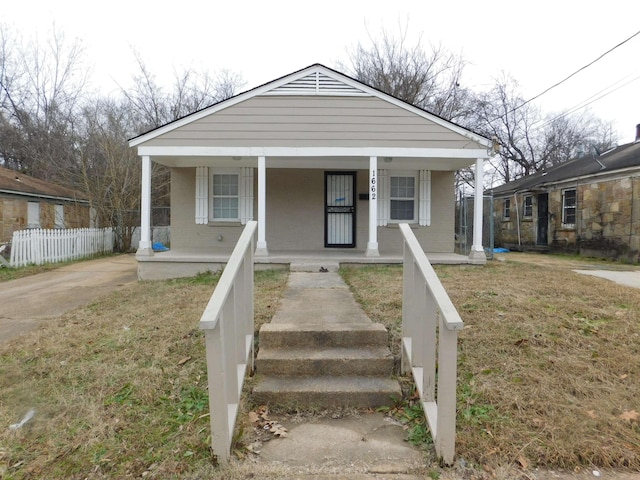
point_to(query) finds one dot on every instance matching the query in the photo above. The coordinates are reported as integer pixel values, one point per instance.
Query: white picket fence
(38, 246)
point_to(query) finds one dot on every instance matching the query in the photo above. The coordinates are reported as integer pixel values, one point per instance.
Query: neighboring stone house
(27, 202)
(590, 205)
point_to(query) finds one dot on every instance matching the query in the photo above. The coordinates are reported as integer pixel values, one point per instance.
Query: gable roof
(619, 158)
(16, 183)
(314, 80)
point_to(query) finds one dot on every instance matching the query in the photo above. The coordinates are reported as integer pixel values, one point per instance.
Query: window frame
(33, 210)
(527, 206)
(223, 171)
(506, 209)
(566, 208)
(59, 216)
(415, 198)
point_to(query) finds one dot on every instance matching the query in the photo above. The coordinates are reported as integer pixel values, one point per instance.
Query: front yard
(548, 374)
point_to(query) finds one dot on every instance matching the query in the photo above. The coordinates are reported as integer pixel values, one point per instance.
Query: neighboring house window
(569, 208)
(59, 216)
(225, 196)
(33, 215)
(507, 208)
(528, 206)
(402, 198)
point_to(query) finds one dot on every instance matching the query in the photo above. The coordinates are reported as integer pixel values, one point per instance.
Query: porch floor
(288, 257)
(189, 262)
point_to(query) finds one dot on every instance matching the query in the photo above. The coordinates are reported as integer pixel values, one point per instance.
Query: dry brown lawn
(119, 387)
(548, 373)
(549, 360)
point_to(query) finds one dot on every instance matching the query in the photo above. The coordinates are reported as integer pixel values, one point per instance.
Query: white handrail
(228, 324)
(430, 325)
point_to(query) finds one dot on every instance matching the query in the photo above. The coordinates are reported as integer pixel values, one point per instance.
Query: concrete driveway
(28, 301)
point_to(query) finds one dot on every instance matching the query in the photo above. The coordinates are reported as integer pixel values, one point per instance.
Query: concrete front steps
(325, 365)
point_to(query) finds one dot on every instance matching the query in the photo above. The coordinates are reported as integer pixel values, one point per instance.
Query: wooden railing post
(228, 323)
(429, 344)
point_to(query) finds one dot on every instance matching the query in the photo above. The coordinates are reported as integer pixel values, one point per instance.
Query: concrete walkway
(28, 301)
(361, 442)
(626, 278)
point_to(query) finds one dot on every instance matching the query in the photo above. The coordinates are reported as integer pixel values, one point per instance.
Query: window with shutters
(404, 196)
(223, 195)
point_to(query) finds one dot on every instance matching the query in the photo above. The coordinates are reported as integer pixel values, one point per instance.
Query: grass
(548, 373)
(548, 361)
(119, 387)
(7, 274)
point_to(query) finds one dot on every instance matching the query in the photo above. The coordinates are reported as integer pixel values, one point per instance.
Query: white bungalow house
(327, 165)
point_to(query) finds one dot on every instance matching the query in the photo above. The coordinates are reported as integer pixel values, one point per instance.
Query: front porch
(190, 262)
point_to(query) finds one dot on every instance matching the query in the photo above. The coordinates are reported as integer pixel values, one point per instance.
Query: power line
(585, 103)
(568, 77)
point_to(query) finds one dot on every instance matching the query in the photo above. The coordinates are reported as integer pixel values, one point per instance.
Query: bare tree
(154, 106)
(530, 142)
(108, 170)
(41, 88)
(429, 79)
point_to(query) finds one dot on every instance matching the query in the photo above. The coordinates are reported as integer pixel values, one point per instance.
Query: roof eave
(43, 195)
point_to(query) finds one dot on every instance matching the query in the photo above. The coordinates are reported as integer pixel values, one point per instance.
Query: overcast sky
(539, 43)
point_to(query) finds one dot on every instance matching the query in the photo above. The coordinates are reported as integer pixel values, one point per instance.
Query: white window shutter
(245, 192)
(202, 195)
(425, 198)
(384, 202)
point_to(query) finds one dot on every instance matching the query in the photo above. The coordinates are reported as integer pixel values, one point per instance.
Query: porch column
(145, 247)
(261, 245)
(477, 254)
(372, 244)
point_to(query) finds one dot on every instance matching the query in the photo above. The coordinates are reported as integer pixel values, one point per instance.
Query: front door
(543, 219)
(340, 211)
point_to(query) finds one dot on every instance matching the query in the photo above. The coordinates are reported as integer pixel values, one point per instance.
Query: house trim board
(173, 151)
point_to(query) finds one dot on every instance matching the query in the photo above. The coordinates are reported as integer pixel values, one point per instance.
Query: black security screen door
(340, 211)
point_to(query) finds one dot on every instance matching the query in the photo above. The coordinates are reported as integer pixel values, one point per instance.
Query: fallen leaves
(183, 361)
(261, 420)
(523, 462)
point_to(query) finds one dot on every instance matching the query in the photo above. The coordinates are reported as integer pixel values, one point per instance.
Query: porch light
(387, 159)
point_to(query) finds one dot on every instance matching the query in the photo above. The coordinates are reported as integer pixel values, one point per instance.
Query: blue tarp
(159, 247)
(500, 250)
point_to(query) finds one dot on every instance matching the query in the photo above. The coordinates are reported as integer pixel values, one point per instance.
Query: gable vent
(316, 83)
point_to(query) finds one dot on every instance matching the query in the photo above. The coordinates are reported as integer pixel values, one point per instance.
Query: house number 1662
(373, 185)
